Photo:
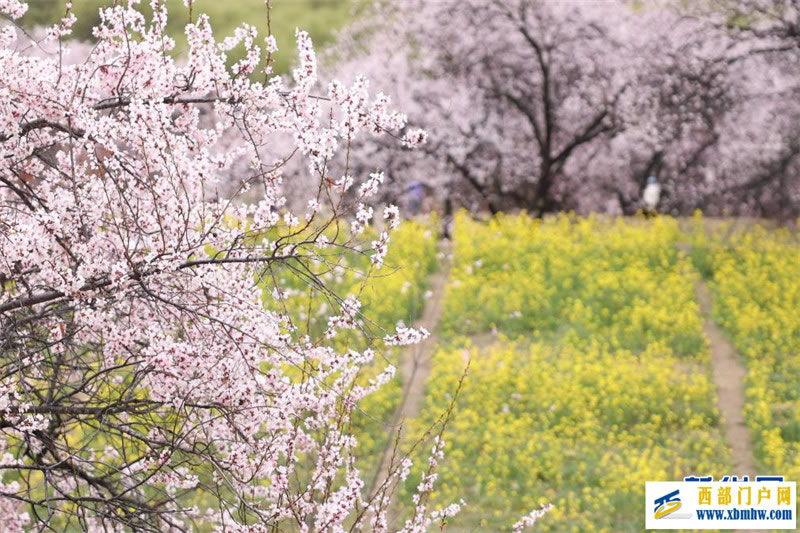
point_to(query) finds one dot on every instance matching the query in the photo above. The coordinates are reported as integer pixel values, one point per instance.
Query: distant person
(416, 193)
(651, 196)
(447, 219)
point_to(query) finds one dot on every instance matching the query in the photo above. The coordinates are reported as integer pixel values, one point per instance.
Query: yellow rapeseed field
(598, 379)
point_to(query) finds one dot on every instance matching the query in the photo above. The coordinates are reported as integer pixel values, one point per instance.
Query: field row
(755, 275)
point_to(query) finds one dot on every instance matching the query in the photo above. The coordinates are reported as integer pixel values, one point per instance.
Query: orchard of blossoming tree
(547, 106)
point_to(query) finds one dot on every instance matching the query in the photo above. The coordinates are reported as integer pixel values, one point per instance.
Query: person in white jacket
(651, 195)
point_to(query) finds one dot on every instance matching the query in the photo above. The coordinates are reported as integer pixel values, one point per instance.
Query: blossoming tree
(513, 90)
(151, 377)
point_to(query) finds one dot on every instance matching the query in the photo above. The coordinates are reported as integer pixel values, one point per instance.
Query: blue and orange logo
(667, 504)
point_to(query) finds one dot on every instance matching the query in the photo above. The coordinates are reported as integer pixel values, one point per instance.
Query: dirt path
(416, 366)
(729, 374)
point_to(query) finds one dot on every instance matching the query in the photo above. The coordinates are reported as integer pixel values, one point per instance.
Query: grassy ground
(321, 18)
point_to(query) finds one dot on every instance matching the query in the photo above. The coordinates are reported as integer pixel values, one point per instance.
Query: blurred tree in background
(550, 106)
